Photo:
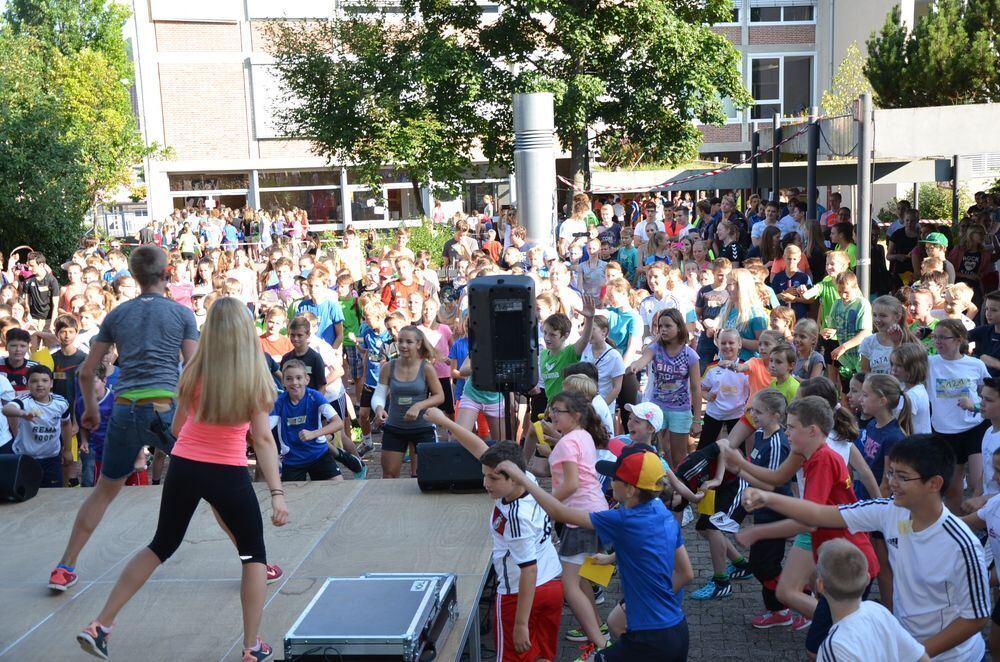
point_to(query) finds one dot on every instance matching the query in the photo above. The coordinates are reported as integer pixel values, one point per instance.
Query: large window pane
(799, 13)
(322, 206)
(365, 206)
(764, 82)
(764, 111)
(282, 178)
(402, 203)
(208, 181)
(765, 14)
(798, 85)
(198, 201)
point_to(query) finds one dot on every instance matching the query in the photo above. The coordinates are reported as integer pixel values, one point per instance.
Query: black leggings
(628, 395)
(227, 488)
(712, 428)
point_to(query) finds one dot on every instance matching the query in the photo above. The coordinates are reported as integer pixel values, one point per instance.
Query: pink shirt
(212, 442)
(578, 447)
(442, 344)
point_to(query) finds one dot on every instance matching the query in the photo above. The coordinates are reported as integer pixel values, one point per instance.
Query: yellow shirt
(788, 388)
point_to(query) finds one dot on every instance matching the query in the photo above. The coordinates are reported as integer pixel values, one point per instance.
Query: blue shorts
(677, 421)
(354, 361)
(131, 428)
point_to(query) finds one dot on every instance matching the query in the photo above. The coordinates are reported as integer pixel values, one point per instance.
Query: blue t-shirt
(290, 419)
(232, 236)
(96, 437)
(645, 539)
(373, 343)
(459, 351)
(875, 443)
(757, 323)
(623, 324)
(781, 282)
(329, 313)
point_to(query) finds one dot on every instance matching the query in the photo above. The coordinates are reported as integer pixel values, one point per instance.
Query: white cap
(647, 411)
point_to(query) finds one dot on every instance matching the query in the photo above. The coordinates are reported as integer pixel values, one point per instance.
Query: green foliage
(950, 57)
(425, 91)
(43, 195)
(848, 83)
(395, 93)
(995, 187)
(935, 203)
(431, 238)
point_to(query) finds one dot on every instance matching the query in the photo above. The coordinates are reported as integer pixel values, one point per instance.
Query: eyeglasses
(892, 476)
(553, 410)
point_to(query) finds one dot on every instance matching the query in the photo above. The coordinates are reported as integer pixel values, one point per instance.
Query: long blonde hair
(746, 303)
(227, 373)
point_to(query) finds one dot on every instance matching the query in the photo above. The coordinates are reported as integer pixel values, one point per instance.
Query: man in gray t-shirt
(151, 334)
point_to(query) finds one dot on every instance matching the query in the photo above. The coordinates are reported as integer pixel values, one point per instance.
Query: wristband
(277, 492)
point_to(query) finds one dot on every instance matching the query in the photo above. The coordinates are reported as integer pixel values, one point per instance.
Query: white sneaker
(687, 517)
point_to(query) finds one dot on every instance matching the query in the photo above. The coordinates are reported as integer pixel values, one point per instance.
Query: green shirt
(827, 290)
(787, 388)
(352, 320)
(852, 254)
(928, 340)
(848, 319)
(552, 366)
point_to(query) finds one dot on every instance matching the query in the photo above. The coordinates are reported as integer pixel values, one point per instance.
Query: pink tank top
(212, 442)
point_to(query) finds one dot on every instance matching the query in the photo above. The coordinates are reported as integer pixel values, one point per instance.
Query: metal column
(535, 165)
(776, 158)
(956, 213)
(812, 154)
(864, 224)
(754, 175)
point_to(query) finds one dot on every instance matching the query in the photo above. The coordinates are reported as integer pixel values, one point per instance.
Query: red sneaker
(61, 579)
(262, 653)
(773, 619)
(800, 623)
(274, 573)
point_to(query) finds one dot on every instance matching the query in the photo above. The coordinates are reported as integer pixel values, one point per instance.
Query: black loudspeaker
(20, 477)
(503, 333)
(446, 465)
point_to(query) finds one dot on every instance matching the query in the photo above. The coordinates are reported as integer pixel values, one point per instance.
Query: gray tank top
(403, 395)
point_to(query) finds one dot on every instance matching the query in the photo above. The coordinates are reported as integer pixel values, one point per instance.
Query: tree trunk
(579, 167)
(417, 195)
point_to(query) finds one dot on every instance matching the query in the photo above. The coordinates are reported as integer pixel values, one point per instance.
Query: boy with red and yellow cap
(650, 552)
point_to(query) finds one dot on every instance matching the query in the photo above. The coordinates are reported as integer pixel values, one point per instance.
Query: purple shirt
(669, 377)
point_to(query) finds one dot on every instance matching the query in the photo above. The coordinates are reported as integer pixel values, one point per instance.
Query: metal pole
(864, 224)
(754, 175)
(776, 158)
(535, 165)
(955, 176)
(916, 195)
(812, 154)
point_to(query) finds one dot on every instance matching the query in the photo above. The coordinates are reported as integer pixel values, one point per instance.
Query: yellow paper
(707, 505)
(599, 574)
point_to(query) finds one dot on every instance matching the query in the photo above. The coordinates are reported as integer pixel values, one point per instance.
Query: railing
(838, 136)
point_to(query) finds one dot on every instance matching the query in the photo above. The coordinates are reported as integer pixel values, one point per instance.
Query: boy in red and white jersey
(529, 592)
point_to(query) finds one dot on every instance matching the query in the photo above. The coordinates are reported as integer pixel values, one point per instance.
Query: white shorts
(490, 410)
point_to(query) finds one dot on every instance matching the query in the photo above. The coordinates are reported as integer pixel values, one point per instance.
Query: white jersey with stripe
(522, 536)
(938, 574)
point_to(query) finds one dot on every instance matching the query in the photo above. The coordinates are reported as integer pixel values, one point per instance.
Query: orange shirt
(276, 348)
(760, 376)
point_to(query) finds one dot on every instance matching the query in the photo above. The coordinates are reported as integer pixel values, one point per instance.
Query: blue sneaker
(713, 591)
(93, 639)
(361, 475)
(739, 572)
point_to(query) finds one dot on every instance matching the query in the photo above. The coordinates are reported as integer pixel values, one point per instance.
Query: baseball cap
(648, 411)
(549, 253)
(936, 238)
(638, 465)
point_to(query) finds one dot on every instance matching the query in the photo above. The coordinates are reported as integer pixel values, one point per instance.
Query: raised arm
(553, 506)
(800, 510)
(470, 441)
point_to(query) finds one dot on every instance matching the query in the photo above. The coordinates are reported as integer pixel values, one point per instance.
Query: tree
(950, 57)
(403, 93)
(425, 88)
(91, 69)
(848, 83)
(636, 74)
(42, 186)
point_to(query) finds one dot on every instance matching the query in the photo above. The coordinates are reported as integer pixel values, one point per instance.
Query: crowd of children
(692, 369)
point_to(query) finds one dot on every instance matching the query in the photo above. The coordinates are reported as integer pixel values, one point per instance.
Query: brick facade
(174, 37)
(204, 110)
(732, 32)
(782, 34)
(729, 133)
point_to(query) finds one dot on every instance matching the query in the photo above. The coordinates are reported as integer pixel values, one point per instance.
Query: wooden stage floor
(190, 610)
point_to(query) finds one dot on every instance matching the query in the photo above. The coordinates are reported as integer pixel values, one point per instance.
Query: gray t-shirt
(148, 332)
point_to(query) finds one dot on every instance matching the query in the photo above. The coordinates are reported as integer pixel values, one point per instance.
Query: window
(290, 178)
(321, 206)
(781, 84)
(209, 182)
(783, 14)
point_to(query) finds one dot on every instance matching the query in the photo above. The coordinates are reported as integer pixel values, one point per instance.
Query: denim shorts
(677, 421)
(130, 429)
